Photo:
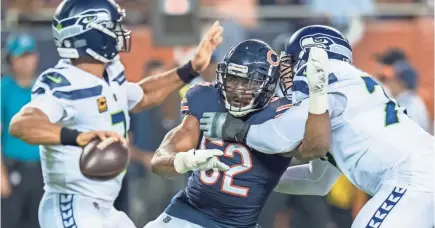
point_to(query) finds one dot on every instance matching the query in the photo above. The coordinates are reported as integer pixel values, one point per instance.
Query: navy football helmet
(298, 47)
(90, 28)
(247, 77)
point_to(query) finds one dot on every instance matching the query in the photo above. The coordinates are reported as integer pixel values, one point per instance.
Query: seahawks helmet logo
(319, 41)
(73, 26)
(329, 43)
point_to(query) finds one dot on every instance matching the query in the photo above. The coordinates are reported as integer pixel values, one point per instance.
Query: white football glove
(198, 160)
(317, 76)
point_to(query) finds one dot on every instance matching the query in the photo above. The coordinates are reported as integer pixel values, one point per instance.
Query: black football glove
(224, 126)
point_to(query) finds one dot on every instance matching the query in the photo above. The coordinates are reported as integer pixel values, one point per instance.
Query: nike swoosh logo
(54, 79)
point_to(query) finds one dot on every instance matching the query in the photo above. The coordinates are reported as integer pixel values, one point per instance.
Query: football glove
(222, 125)
(198, 160)
(317, 76)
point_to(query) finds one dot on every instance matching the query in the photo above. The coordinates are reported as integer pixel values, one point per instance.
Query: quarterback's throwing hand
(203, 54)
(317, 76)
(85, 137)
(198, 160)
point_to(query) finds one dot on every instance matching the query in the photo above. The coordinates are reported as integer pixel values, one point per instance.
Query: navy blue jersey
(236, 197)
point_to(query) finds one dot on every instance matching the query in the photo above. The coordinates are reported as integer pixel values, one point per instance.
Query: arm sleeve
(134, 94)
(285, 133)
(315, 178)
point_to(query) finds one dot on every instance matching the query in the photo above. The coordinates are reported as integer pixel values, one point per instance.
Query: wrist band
(69, 136)
(186, 73)
(318, 104)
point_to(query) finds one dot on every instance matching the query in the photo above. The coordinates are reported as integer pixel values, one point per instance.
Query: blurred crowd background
(392, 40)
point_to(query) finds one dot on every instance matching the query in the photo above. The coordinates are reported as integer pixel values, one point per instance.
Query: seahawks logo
(73, 26)
(313, 41)
(330, 43)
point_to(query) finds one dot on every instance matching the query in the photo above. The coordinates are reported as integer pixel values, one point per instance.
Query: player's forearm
(315, 143)
(162, 163)
(178, 140)
(157, 87)
(35, 128)
(282, 134)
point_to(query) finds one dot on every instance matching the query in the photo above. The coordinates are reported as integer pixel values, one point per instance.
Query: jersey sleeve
(133, 91)
(134, 94)
(47, 96)
(315, 178)
(285, 133)
(197, 100)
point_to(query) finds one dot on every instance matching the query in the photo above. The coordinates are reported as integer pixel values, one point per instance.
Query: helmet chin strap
(239, 113)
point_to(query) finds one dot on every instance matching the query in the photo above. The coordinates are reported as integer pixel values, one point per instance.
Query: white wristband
(318, 104)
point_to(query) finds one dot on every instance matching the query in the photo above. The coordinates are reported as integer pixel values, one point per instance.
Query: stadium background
(371, 26)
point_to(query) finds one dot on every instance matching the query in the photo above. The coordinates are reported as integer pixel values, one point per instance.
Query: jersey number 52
(227, 182)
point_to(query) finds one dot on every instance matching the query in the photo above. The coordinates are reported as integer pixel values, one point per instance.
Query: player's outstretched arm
(315, 178)
(317, 128)
(276, 136)
(176, 154)
(157, 87)
(34, 127)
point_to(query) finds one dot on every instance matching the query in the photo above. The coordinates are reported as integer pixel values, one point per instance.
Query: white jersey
(373, 140)
(78, 100)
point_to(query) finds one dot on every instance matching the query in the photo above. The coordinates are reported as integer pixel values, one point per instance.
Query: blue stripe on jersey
(54, 80)
(370, 84)
(39, 90)
(79, 93)
(66, 210)
(386, 207)
(120, 78)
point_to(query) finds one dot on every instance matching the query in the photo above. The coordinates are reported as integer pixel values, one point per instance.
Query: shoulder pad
(55, 82)
(200, 98)
(54, 79)
(280, 105)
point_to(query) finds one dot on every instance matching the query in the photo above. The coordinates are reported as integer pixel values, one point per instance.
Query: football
(104, 159)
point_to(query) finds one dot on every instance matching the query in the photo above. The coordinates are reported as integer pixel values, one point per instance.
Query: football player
(86, 95)
(229, 191)
(370, 138)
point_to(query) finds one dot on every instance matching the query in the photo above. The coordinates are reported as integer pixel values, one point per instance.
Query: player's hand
(198, 160)
(224, 126)
(205, 49)
(317, 76)
(85, 137)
